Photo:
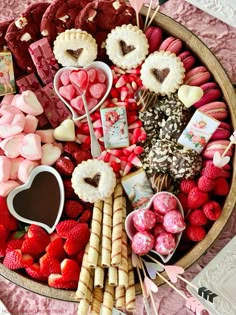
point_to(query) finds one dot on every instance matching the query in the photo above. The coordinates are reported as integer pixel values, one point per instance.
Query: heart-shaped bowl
(96, 64)
(131, 230)
(40, 200)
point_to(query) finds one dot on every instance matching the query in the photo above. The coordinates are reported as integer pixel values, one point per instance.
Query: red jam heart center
(161, 75)
(41, 201)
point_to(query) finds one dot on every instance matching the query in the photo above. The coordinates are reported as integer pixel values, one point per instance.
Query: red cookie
(24, 31)
(59, 16)
(99, 17)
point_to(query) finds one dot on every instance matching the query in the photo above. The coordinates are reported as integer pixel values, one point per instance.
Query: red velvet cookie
(59, 16)
(99, 17)
(24, 31)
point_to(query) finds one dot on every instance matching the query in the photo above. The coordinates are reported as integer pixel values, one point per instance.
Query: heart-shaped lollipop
(40, 200)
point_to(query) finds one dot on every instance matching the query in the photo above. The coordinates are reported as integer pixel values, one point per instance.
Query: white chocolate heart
(66, 131)
(189, 95)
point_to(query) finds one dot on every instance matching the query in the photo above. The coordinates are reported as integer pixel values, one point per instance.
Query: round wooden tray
(210, 61)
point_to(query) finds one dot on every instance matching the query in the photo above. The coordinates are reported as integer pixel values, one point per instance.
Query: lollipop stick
(227, 149)
(148, 13)
(153, 16)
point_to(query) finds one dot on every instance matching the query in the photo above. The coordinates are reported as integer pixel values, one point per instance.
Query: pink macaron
(217, 110)
(216, 146)
(197, 76)
(222, 132)
(188, 59)
(171, 44)
(211, 94)
(154, 37)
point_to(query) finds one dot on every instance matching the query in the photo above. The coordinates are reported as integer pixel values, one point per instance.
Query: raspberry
(197, 217)
(196, 198)
(186, 185)
(86, 216)
(212, 210)
(211, 171)
(221, 187)
(64, 166)
(195, 233)
(81, 156)
(73, 208)
(183, 198)
(69, 191)
(205, 183)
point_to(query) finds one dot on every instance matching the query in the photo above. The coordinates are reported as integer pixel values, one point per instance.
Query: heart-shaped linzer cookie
(93, 181)
(161, 75)
(126, 48)
(40, 200)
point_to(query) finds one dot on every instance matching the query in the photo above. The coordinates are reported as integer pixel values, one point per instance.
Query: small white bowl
(131, 230)
(96, 64)
(15, 195)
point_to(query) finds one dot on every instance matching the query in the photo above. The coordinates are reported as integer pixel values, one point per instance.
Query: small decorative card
(137, 188)
(7, 79)
(198, 131)
(115, 127)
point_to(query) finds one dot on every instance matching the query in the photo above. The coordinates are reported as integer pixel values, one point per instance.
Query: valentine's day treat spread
(116, 151)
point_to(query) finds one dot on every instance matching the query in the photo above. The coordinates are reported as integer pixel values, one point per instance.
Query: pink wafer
(5, 168)
(8, 186)
(25, 168)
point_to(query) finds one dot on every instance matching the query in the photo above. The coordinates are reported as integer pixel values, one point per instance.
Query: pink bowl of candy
(158, 227)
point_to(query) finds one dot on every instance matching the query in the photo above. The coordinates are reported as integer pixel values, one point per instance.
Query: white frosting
(21, 22)
(25, 37)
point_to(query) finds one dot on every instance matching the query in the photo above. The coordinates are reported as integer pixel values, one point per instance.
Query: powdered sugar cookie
(162, 72)
(127, 46)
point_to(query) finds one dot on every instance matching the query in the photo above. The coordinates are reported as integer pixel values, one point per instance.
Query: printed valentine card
(7, 79)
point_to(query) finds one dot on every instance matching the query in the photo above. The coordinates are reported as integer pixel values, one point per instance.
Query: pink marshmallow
(11, 145)
(25, 169)
(9, 109)
(13, 102)
(51, 153)
(31, 123)
(30, 147)
(5, 168)
(46, 135)
(7, 99)
(16, 126)
(7, 187)
(15, 163)
(6, 118)
(29, 104)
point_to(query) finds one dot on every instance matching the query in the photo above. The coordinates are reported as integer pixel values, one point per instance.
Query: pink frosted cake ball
(173, 222)
(142, 243)
(144, 220)
(164, 202)
(158, 229)
(165, 243)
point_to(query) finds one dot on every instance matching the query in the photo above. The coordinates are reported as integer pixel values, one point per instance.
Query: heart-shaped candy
(68, 91)
(30, 147)
(29, 104)
(40, 200)
(66, 131)
(16, 126)
(150, 285)
(79, 78)
(189, 95)
(50, 154)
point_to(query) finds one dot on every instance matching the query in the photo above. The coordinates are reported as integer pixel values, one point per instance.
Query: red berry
(64, 166)
(80, 256)
(35, 272)
(59, 282)
(72, 246)
(86, 216)
(221, 187)
(212, 210)
(211, 171)
(71, 147)
(69, 191)
(14, 244)
(81, 156)
(195, 233)
(6, 219)
(70, 269)
(197, 217)
(196, 198)
(183, 198)
(15, 259)
(49, 264)
(205, 183)
(186, 185)
(55, 248)
(73, 208)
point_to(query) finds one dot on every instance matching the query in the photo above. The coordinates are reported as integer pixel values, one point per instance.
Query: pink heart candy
(15, 127)
(11, 145)
(8, 186)
(68, 92)
(31, 123)
(80, 79)
(30, 147)
(29, 104)
(64, 77)
(97, 90)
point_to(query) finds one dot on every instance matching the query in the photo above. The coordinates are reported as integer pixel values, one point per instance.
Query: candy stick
(96, 301)
(108, 299)
(99, 274)
(106, 232)
(119, 297)
(117, 226)
(147, 15)
(136, 5)
(84, 277)
(95, 236)
(112, 276)
(130, 291)
(153, 16)
(84, 303)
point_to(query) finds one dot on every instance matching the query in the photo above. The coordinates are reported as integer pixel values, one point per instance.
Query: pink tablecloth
(222, 40)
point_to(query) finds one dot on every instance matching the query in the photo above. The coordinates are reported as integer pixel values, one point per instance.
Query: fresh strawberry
(221, 187)
(80, 256)
(34, 246)
(55, 248)
(49, 264)
(16, 260)
(81, 156)
(205, 183)
(64, 228)
(35, 272)
(59, 282)
(36, 231)
(64, 166)
(73, 208)
(3, 235)
(70, 269)
(73, 246)
(197, 217)
(212, 171)
(195, 233)
(14, 244)
(196, 198)
(183, 198)
(212, 210)
(71, 147)
(69, 191)
(6, 219)
(86, 216)
(186, 185)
